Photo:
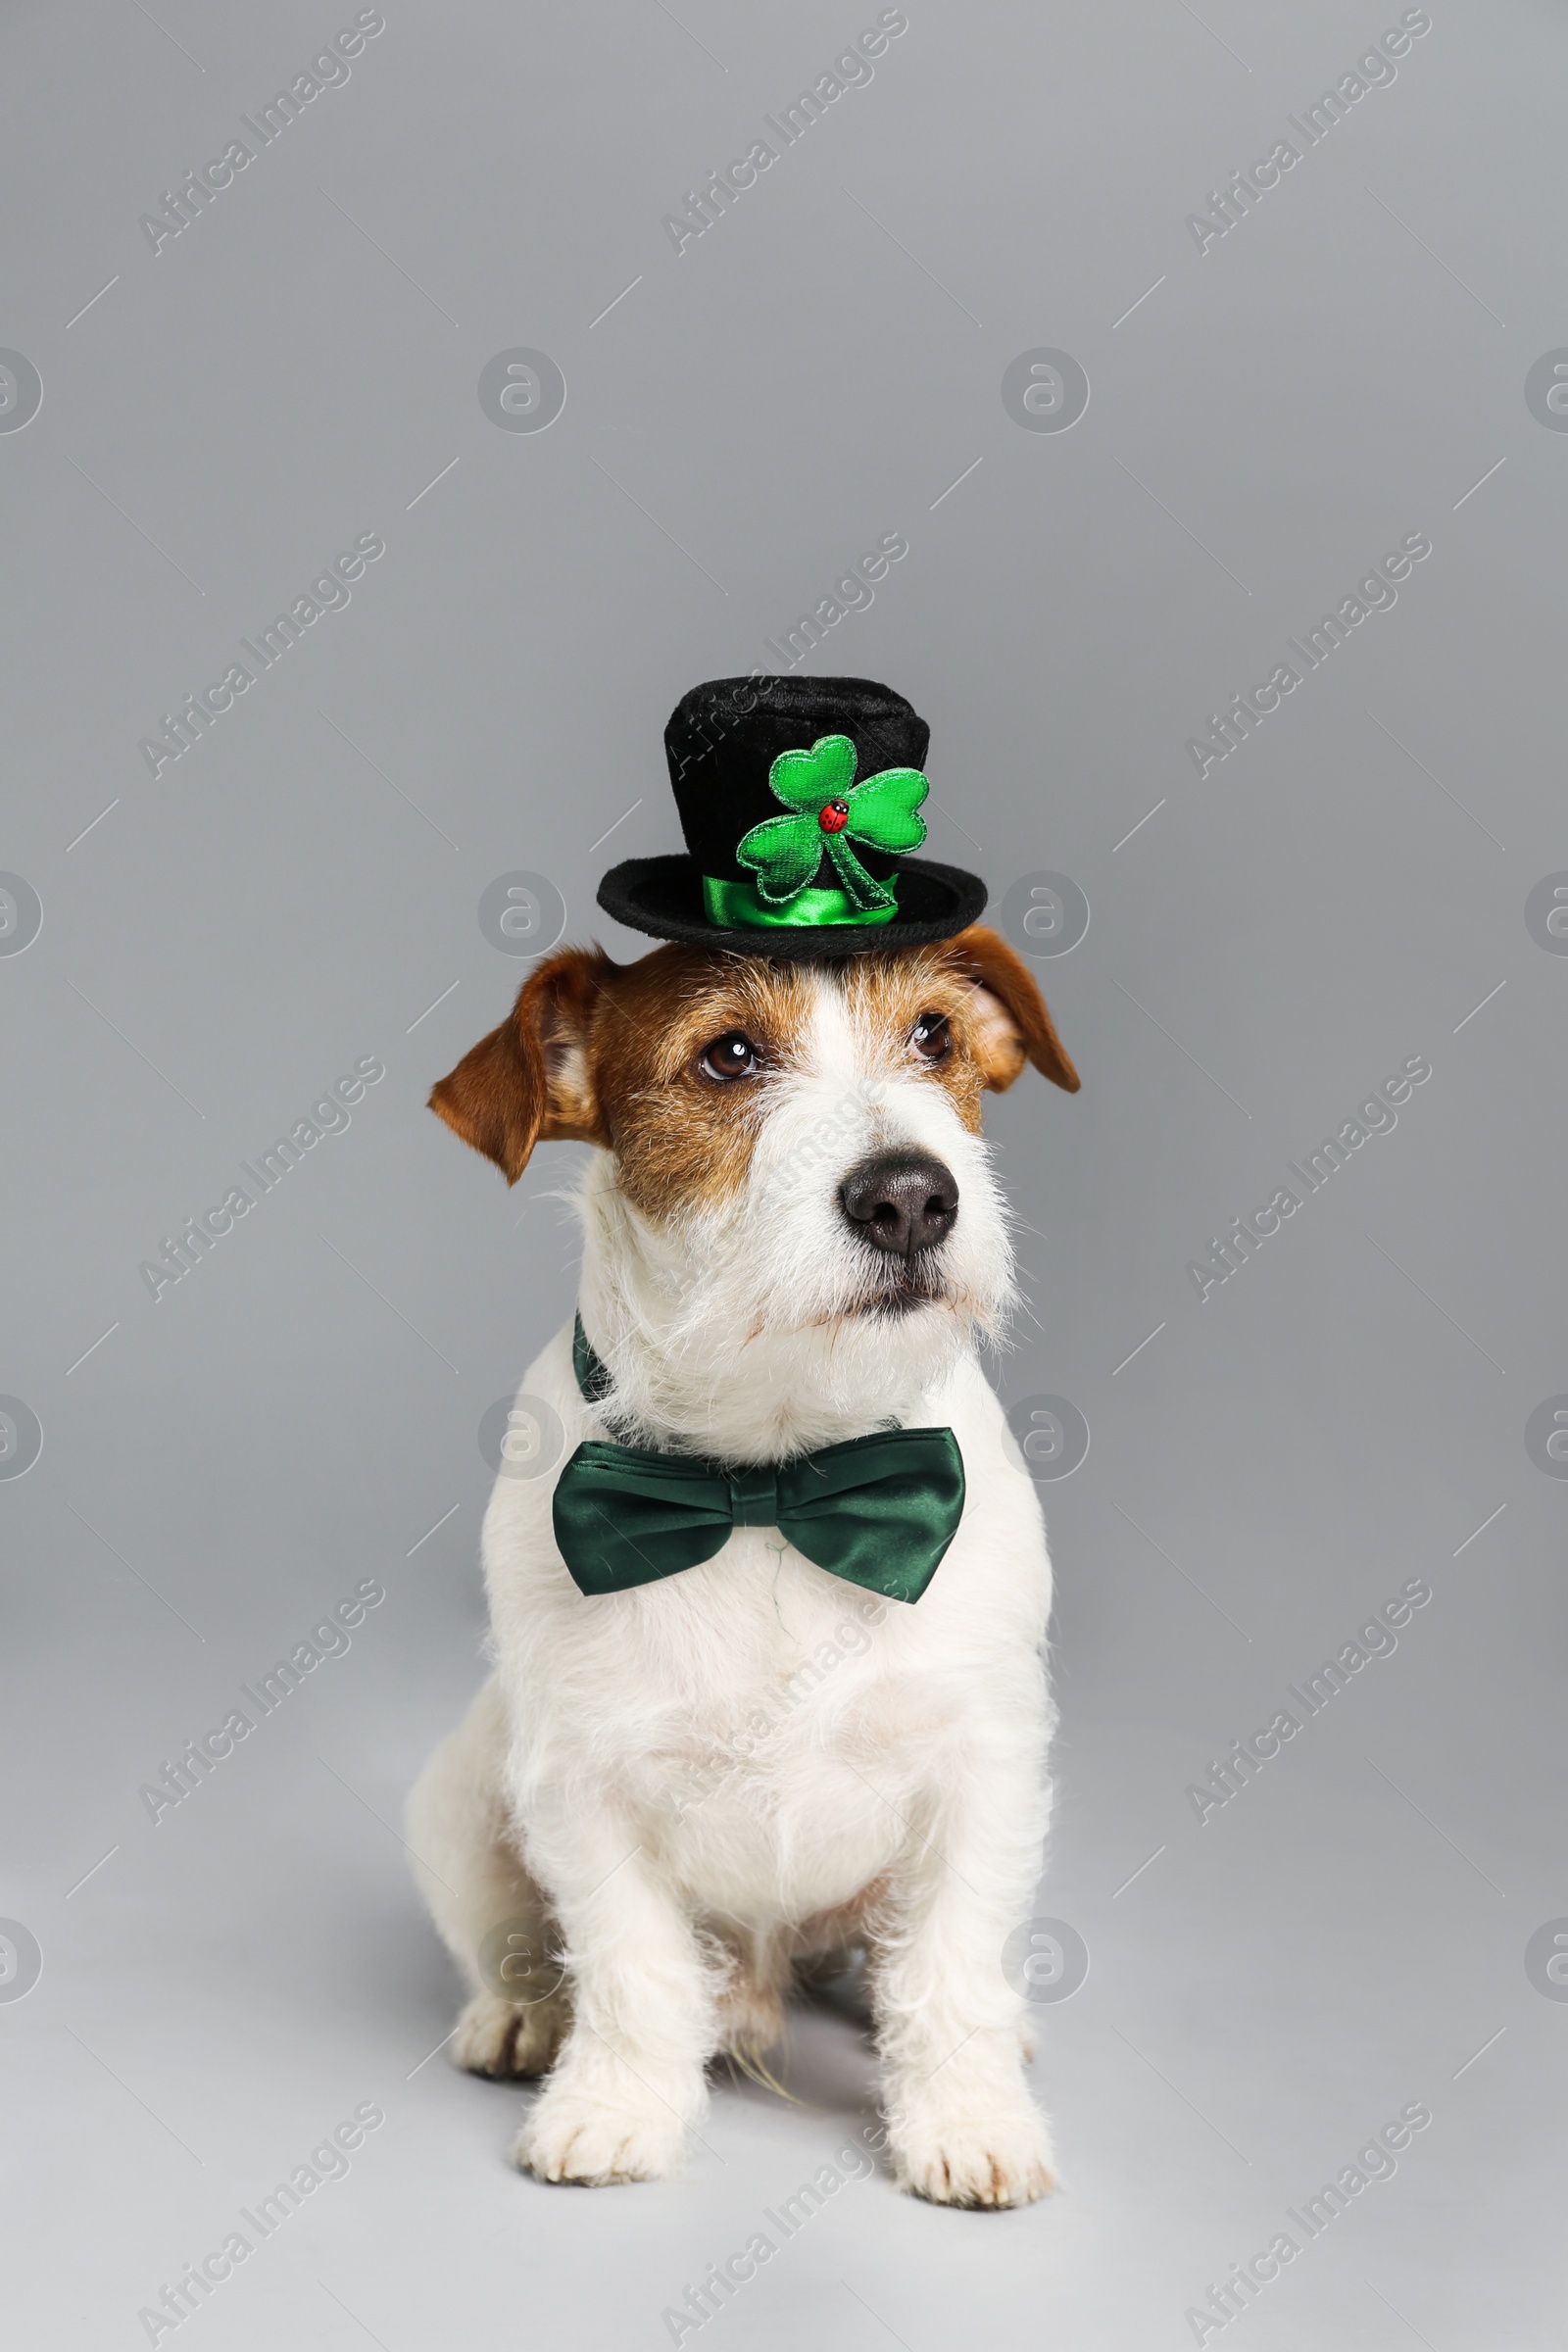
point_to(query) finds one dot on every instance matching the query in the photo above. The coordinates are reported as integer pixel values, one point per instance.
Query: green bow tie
(880, 1510)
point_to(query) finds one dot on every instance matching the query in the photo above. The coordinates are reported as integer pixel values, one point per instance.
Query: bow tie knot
(754, 1496)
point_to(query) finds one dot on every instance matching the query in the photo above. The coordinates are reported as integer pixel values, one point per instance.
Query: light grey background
(301, 889)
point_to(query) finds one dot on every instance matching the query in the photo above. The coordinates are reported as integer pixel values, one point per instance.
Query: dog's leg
(478, 1893)
(629, 2079)
(751, 1998)
(962, 2126)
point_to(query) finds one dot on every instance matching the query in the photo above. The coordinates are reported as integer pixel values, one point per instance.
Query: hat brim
(663, 898)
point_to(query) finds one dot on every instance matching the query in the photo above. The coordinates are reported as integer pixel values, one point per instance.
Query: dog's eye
(732, 1055)
(931, 1038)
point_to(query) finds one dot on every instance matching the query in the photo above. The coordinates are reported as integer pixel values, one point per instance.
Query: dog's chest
(785, 1734)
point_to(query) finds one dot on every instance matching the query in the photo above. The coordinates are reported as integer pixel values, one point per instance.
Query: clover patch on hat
(799, 802)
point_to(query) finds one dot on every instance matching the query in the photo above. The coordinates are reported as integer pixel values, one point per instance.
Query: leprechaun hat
(799, 802)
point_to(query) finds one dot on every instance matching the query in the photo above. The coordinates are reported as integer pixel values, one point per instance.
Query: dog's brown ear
(531, 1080)
(1011, 1023)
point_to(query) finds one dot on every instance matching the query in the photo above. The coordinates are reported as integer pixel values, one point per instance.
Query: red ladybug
(835, 817)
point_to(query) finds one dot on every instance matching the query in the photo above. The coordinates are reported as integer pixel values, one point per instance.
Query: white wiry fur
(695, 1784)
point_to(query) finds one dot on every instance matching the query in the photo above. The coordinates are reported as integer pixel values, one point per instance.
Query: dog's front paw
(501, 2038)
(571, 2138)
(995, 2155)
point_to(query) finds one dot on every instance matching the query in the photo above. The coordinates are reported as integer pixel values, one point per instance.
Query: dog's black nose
(900, 1200)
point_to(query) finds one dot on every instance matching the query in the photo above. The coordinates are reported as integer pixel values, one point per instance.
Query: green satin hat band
(730, 904)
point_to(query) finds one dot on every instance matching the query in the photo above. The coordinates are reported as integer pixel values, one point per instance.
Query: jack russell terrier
(768, 1585)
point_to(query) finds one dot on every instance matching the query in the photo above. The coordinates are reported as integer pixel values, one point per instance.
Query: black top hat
(800, 801)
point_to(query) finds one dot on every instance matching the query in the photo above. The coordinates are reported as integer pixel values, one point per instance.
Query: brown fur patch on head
(682, 1139)
(996, 1019)
(609, 1054)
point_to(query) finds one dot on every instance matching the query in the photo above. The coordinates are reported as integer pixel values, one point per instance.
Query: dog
(674, 1801)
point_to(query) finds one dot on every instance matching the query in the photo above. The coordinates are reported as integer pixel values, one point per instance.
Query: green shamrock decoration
(829, 811)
